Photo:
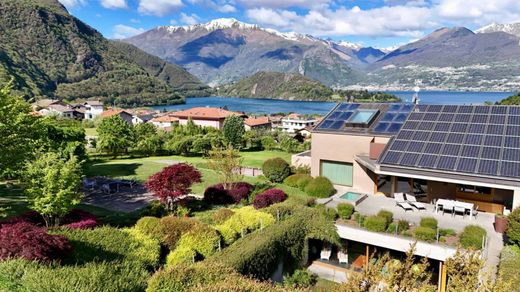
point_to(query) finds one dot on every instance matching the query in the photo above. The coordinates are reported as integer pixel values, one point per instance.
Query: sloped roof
(113, 112)
(209, 113)
(61, 108)
(256, 121)
(165, 119)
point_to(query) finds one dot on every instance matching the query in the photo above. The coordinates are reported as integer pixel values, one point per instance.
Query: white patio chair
(342, 257)
(325, 254)
(413, 201)
(459, 210)
(401, 202)
(474, 213)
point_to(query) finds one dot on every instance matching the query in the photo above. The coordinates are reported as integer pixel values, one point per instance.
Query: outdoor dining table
(449, 204)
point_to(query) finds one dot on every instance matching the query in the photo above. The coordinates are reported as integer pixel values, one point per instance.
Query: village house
(93, 109)
(205, 116)
(294, 122)
(165, 121)
(257, 123)
(126, 116)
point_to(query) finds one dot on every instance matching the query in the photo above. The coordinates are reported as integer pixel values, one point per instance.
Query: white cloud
(158, 7)
(284, 3)
(384, 21)
(479, 11)
(135, 20)
(226, 8)
(70, 4)
(114, 4)
(223, 6)
(122, 31)
(189, 19)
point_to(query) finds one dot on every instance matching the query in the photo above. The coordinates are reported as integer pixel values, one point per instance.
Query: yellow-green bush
(202, 240)
(144, 247)
(245, 220)
(174, 227)
(292, 180)
(151, 226)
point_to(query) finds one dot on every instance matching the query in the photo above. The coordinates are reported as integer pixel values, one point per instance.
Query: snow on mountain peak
(511, 28)
(350, 45)
(219, 23)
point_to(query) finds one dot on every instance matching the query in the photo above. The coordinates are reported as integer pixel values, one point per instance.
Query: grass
(325, 285)
(91, 131)
(12, 199)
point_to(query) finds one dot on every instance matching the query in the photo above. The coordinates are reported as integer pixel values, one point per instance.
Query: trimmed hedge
(222, 215)
(269, 197)
(320, 187)
(201, 241)
(22, 275)
(174, 227)
(303, 182)
(375, 223)
(403, 225)
(24, 240)
(472, 237)
(345, 210)
(508, 268)
(425, 233)
(389, 216)
(151, 226)
(276, 169)
(292, 180)
(245, 220)
(429, 222)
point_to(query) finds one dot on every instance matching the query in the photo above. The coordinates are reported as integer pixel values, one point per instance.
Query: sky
(377, 23)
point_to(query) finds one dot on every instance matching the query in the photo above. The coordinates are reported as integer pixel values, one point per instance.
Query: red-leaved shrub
(28, 241)
(269, 197)
(173, 181)
(79, 219)
(217, 195)
(31, 217)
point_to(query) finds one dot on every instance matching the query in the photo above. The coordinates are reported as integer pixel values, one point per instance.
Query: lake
(269, 106)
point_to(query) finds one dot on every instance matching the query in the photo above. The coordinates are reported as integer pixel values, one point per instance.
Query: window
(339, 173)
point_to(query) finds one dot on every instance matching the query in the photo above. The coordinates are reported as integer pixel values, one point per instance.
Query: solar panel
(467, 164)
(393, 120)
(488, 167)
(394, 128)
(490, 153)
(451, 149)
(446, 162)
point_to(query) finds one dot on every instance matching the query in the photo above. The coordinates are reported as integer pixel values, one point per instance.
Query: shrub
(240, 191)
(155, 209)
(447, 232)
(302, 169)
(389, 216)
(303, 182)
(79, 219)
(320, 187)
(292, 180)
(329, 213)
(425, 233)
(508, 269)
(22, 275)
(403, 225)
(151, 226)
(107, 244)
(174, 227)
(222, 215)
(472, 236)
(201, 241)
(268, 198)
(245, 220)
(24, 240)
(345, 210)
(300, 279)
(513, 226)
(360, 219)
(429, 222)
(184, 277)
(375, 223)
(217, 195)
(392, 227)
(276, 169)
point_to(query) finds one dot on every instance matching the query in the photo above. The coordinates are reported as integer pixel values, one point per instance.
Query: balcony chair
(343, 257)
(325, 254)
(401, 202)
(413, 201)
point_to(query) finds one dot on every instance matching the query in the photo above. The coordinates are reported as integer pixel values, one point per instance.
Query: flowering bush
(28, 241)
(217, 195)
(269, 197)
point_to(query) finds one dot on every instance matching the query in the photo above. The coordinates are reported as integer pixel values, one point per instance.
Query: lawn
(91, 131)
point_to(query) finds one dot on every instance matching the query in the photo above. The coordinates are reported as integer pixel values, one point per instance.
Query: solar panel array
(337, 118)
(392, 121)
(481, 140)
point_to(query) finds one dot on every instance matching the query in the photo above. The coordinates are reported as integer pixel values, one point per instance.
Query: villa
(461, 159)
(294, 122)
(257, 123)
(205, 116)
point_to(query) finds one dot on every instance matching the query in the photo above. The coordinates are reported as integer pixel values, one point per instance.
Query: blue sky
(379, 23)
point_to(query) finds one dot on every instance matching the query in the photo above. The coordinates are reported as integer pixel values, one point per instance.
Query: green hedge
(222, 215)
(303, 182)
(389, 216)
(201, 241)
(320, 187)
(258, 254)
(174, 227)
(276, 169)
(345, 210)
(509, 267)
(151, 226)
(245, 220)
(429, 222)
(472, 237)
(425, 233)
(111, 244)
(513, 226)
(292, 180)
(22, 275)
(375, 223)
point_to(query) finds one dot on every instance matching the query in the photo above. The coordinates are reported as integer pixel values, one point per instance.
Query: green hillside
(512, 100)
(50, 53)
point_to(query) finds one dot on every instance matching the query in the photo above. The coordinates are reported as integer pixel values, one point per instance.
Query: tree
(147, 140)
(226, 163)
(463, 271)
(234, 131)
(52, 184)
(115, 135)
(513, 226)
(173, 182)
(19, 131)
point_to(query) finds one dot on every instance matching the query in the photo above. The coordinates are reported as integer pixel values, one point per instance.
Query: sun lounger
(400, 201)
(413, 201)
(325, 254)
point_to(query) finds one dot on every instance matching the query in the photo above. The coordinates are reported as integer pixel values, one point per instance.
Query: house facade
(165, 121)
(126, 116)
(294, 122)
(93, 109)
(205, 116)
(460, 152)
(257, 123)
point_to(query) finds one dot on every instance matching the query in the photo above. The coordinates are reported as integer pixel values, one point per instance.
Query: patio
(371, 205)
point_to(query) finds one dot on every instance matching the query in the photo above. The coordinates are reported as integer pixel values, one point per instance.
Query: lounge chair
(342, 257)
(325, 254)
(413, 201)
(400, 201)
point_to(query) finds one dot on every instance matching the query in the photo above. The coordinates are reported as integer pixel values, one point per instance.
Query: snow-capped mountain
(511, 28)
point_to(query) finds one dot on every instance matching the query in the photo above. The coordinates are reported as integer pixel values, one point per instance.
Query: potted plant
(500, 223)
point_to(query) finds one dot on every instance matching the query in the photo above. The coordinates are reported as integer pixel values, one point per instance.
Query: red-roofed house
(257, 123)
(126, 116)
(165, 121)
(205, 116)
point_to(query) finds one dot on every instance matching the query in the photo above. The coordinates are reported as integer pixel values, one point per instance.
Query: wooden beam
(367, 256)
(442, 288)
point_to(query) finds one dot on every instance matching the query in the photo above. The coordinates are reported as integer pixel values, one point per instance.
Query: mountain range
(226, 50)
(49, 53)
